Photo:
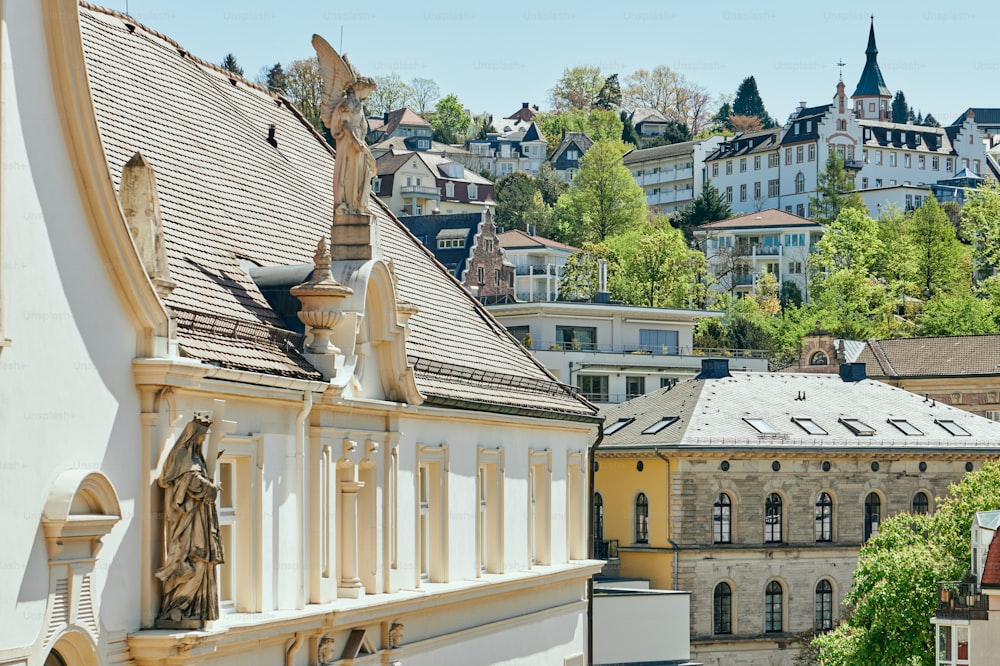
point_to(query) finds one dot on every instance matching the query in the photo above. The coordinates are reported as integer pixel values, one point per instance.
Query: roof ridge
(173, 42)
(882, 358)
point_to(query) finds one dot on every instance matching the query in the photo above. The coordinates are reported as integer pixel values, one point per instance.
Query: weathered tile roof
(946, 356)
(991, 568)
(517, 239)
(229, 199)
(659, 152)
(771, 217)
(711, 415)
(405, 116)
(582, 141)
(747, 143)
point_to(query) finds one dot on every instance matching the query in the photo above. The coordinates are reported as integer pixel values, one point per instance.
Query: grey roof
(941, 356)
(747, 143)
(871, 81)
(582, 141)
(988, 519)
(931, 139)
(669, 150)
(981, 116)
(228, 197)
(711, 415)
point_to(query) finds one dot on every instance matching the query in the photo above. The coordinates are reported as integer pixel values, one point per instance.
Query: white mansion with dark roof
(892, 163)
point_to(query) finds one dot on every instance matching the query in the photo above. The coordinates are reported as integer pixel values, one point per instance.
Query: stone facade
(489, 274)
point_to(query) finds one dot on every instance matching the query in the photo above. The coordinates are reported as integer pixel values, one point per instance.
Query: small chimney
(853, 372)
(714, 368)
(385, 117)
(270, 135)
(524, 105)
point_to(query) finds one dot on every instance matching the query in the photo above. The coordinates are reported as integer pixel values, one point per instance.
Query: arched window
(921, 503)
(819, 358)
(824, 518)
(641, 519)
(873, 515)
(598, 518)
(721, 517)
(773, 597)
(54, 659)
(824, 605)
(800, 183)
(723, 609)
(772, 518)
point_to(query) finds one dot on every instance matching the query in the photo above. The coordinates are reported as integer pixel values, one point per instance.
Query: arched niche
(81, 509)
(72, 648)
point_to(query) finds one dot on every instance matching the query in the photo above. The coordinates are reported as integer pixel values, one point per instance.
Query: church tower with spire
(872, 98)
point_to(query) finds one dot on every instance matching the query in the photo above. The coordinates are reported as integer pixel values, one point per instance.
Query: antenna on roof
(840, 64)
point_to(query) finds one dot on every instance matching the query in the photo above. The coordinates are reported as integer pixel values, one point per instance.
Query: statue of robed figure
(343, 113)
(193, 547)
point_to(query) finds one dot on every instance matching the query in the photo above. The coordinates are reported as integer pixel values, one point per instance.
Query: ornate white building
(385, 490)
(779, 168)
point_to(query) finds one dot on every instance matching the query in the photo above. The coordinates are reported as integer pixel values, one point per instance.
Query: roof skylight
(906, 427)
(618, 425)
(952, 427)
(858, 427)
(660, 425)
(761, 426)
(809, 426)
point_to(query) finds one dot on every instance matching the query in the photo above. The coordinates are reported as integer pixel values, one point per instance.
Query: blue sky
(494, 56)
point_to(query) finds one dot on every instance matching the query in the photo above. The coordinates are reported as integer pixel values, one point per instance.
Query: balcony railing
(606, 549)
(425, 190)
(655, 350)
(538, 270)
(742, 279)
(961, 601)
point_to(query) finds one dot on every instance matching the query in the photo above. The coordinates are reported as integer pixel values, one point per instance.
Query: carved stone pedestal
(351, 237)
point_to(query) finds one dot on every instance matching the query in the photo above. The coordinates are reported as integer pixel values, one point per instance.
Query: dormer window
(618, 425)
(473, 191)
(761, 426)
(377, 185)
(449, 189)
(858, 427)
(952, 427)
(906, 427)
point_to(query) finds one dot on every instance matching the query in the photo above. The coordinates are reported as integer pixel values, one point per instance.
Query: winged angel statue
(343, 113)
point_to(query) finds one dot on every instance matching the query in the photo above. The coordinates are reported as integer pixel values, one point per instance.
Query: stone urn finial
(321, 297)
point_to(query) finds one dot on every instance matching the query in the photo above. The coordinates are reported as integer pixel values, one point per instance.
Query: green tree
(577, 88)
(895, 583)
(652, 266)
(603, 199)
(709, 206)
(519, 202)
(834, 192)
(675, 132)
(230, 65)
(900, 109)
(748, 103)
(482, 125)
(965, 314)
(931, 121)
(275, 79)
(942, 265)
(721, 117)
(609, 98)
(629, 135)
(550, 184)
(597, 124)
(579, 280)
(981, 223)
(449, 121)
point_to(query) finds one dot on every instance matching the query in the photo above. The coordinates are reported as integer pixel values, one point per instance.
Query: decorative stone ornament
(322, 298)
(395, 635)
(324, 652)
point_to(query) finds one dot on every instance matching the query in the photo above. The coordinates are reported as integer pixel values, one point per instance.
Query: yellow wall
(619, 483)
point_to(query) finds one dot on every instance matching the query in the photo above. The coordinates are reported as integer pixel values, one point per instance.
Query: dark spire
(871, 83)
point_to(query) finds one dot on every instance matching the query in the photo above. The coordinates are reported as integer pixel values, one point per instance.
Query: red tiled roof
(772, 217)
(991, 570)
(943, 356)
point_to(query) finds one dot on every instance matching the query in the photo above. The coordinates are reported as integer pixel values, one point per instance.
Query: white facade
(671, 176)
(538, 264)
(613, 353)
(741, 249)
(632, 626)
(360, 518)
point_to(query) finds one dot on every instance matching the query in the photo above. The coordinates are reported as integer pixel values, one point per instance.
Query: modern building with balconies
(671, 176)
(420, 183)
(612, 352)
(741, 249)
(538, 264)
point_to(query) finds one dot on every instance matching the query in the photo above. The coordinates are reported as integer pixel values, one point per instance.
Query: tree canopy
(895, 583)
(901, 111)
(603, 199)
(449, 121)
(577, 88)
(709, 206)
(834, 191)
(670, 93)
(230, 65)
(749, 103)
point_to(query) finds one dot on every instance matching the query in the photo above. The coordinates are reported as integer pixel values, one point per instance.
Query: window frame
(823, 605)
(824, 518)
(805, 422)
(722, 518)
(774, 598)
(774, 509)
(873, 500)
(926, 504)
(722, 609)
(640, 519)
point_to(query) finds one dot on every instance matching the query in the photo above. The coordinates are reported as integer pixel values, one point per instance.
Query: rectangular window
(906, 427)
(618, 425)
(878, 157)
(496, 277)
(240, 480)
(743, 192)
(799, 153)
(952, 427)
(774, 188)
(756, 191)
(729, 167)
(892, 158)
(522, 333)
(809, 425)
(715, 169)
(473, 191)
(812, 152)
(539, 507)
(658, 342)
(949, 165)
(864, 182)
(480, 275)
(906, 160)
(788, 155)
(634, 387)
(858, 427)
(489, 525)
(761, 426)
(878, 182)
(577, 337)
(773, 160)
(936, 163)
(800, 210)
(660, 425)
(432, 510)
(593, 387)
(921, 162)
(729, 194)
(756, 163)
(743, 165)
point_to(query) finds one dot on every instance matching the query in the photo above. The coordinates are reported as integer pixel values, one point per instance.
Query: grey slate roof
(871, 81)
(981, 116)
(229, 198)
(711, 415)
(747, 143)
(582, 141)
